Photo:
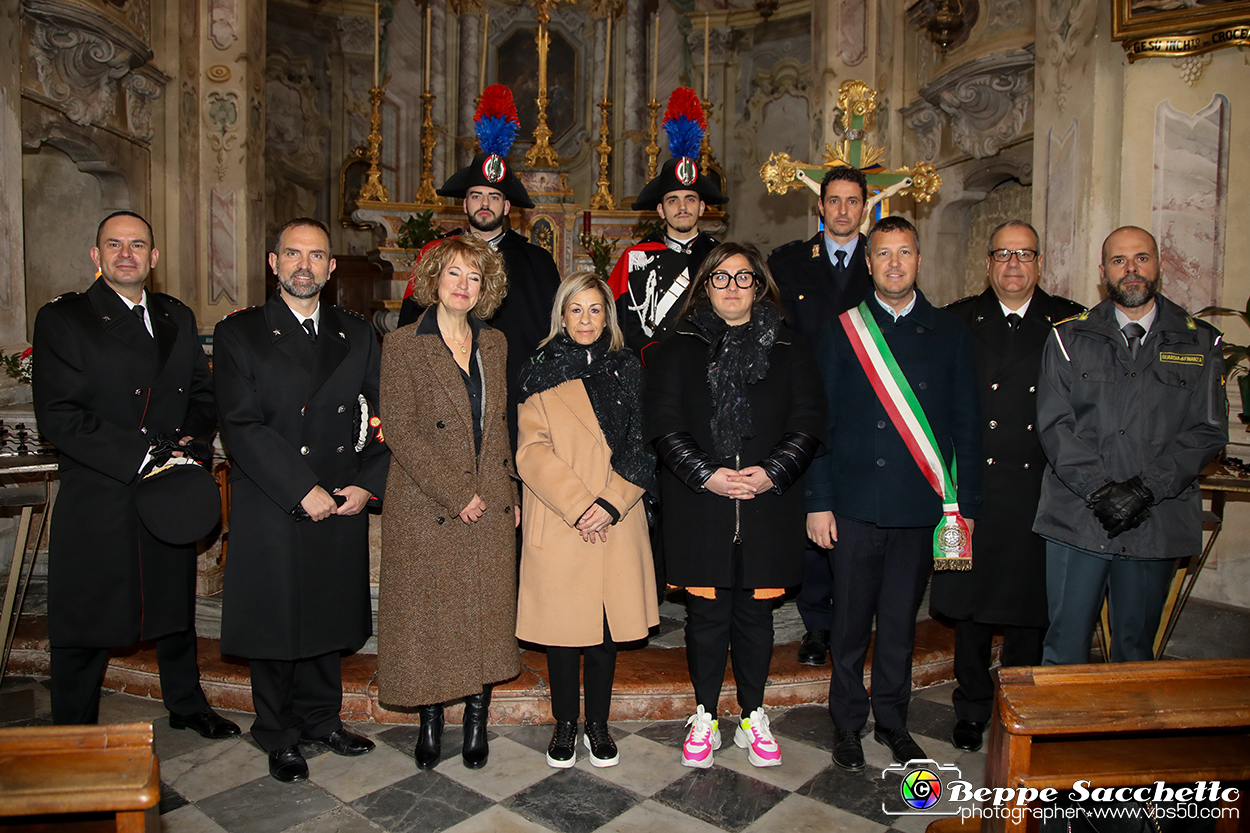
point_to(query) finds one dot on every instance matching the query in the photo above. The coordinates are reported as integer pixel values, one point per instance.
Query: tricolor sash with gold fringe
(952, 543)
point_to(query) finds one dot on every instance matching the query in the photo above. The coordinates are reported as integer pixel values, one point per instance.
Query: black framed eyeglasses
(1022, 255)
(745, 279)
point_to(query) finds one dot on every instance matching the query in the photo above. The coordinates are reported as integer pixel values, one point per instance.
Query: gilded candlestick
(426, 195)
(653, 133)
(373, 189)
(706, 157)
(603, 197)
(542, 151)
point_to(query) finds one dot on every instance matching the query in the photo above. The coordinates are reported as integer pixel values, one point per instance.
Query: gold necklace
(463, 347)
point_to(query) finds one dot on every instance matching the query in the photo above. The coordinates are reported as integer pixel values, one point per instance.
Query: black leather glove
(683, 457)
(789, 459)
(1121, 506)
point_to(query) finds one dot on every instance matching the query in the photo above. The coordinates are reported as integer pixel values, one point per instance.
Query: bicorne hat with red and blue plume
(496, 125)
(685, 126)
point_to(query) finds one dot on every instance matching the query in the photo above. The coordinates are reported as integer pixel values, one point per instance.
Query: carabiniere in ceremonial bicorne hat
(496, 125)
(684, 124)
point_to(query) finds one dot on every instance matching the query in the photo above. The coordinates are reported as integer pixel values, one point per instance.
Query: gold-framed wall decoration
(1157, 28)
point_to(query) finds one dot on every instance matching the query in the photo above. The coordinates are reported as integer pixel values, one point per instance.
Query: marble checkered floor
(224, 785)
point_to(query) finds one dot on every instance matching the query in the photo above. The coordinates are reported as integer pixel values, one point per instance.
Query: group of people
(733, 425)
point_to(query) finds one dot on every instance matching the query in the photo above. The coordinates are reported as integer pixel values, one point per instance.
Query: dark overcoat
(103, 388)
(524, 317)
(812, 292)
(1104, 416)
(699, 527)
(1007, 583)
(447, 603)
(869, 474)
(295, 589)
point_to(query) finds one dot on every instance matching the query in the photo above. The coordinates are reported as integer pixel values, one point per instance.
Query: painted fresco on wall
(1190, 200)
(1153, 18)
(517, 60)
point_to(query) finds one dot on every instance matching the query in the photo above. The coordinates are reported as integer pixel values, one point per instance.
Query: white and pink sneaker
(701, 741)
(756, 738)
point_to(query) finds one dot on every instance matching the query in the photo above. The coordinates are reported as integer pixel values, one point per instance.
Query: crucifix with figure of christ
(857, 103)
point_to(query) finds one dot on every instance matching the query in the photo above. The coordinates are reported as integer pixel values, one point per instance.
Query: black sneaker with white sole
(562, 751)
(599, 741)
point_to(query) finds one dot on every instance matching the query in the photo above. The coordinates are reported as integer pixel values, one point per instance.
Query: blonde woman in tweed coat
(447, 604)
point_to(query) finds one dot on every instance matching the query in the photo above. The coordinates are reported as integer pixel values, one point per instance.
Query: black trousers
(735, 617)
(562, 666)
(296, 698)
(77, 674)
(974, 697)
(815, 598)
(878, 572)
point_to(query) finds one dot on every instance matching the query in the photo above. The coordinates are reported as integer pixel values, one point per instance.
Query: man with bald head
(1131, 408)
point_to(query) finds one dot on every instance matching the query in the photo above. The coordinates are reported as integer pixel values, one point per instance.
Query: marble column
(1078, 129)
(445, 154)
(470, 81)
(12, 256)
(227, 57)
(631, 159)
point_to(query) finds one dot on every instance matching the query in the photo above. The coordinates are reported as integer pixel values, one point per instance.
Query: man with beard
(116, 369)
(489, 190)
(1130, 408)
(651, 279)
(820, 279)
(1006, 587)
(291, 376)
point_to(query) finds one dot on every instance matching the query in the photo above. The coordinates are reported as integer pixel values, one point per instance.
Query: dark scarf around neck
(613, 382)
(737, 357)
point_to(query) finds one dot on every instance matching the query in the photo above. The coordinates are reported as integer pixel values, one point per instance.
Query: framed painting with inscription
(1174, 18)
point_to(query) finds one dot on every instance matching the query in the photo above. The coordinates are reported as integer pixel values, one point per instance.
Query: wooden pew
(1122, 724)
(81, 777)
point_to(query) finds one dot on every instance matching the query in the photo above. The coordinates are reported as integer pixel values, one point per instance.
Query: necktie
(841, 258)
(1133, 333)
(310, 329)
(1013, 320)
(139, 313)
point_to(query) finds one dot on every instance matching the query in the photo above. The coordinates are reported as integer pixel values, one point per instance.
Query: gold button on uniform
(303, 450)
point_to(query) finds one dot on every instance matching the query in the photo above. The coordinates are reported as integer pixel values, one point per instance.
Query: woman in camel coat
(587, 577)
(447, 603)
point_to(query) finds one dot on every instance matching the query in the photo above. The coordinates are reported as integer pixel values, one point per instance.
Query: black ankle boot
(430, 741)
(476, 707)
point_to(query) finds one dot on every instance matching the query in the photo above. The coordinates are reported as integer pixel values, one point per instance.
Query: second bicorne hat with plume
(496, 124)
(685, 125)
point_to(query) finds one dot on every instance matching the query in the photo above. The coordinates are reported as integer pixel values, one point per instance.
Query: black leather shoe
(208, 723)
(599, 741)
(430, 741)
(343, 742)
(899, 740)
(967, 735)
(288, 765)
(814, 649)
(562, 751)
(848, 753)
(476, 749)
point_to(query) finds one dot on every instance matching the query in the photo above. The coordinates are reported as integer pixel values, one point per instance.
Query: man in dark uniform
(1130, 409)
(1010, 323)
(524, 317)
(820, 279)
(651, 278)
(290, 376)
(868, 498)
(117, 368)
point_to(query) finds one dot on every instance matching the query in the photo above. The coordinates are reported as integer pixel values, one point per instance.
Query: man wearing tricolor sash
(898, 493)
